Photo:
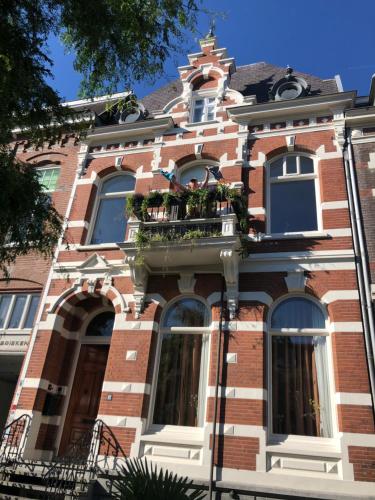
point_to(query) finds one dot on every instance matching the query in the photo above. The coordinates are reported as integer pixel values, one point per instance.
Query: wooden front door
(85, 396)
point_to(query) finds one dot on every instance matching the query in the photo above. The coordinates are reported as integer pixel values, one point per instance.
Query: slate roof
(252, 79)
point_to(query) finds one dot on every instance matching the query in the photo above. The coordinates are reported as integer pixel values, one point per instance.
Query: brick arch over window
(184, 160)
(284, 150)
(111, 169)
(45, 162)
(201, 82)
(72, 299)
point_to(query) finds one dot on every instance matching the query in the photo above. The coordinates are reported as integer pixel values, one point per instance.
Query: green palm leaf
(139, 480)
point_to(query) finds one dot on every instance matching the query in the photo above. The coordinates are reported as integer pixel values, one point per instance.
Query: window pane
(291, 164)
(306, 165)
(118, 184)
(293, 207)
(276, 169)
(177, 394)
(48, 178)
(297, 312)
(297, 396)
(17, 311)
(186, 312)
(101, 325)
(4, 306)
(198, 111)
(110, 223)
(31, 312)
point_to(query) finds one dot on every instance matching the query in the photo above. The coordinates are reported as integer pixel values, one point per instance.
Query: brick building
(131, 311)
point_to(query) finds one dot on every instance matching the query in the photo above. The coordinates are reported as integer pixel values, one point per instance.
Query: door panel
(85, 396)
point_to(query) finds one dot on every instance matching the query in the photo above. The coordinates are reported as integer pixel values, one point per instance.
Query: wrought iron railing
(183, 210)
(96, 450)
(13, 441)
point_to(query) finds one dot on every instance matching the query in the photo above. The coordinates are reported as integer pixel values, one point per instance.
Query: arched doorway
(86, 389)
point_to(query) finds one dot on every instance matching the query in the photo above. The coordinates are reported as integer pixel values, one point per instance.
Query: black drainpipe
(360, 263)
(218, 356)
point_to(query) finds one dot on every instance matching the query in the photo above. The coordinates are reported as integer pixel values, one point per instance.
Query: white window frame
(50, 167)
(205, 98)
(100, 196)
(294, 439)
(296, 177)
(25, 311)
(205, 331)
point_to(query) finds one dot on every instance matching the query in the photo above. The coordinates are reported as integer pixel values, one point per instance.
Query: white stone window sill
(101, 246)
(15, 331)
(293, 236)
(179, 435)
(304, 445)
(197, 124)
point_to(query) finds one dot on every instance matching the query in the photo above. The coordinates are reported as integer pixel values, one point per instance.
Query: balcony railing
(197, 214)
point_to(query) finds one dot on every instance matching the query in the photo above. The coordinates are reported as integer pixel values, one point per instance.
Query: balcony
(187, 233)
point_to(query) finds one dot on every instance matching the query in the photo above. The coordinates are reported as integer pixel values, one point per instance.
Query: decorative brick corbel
(139, 273)
(230, 259)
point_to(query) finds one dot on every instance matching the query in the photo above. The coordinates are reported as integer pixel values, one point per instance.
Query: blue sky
(321, 37)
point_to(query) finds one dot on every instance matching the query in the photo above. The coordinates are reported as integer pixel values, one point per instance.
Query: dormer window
(203, 109)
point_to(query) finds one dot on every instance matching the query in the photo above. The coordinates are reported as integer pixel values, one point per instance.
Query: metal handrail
(95, 450)
(13, 440)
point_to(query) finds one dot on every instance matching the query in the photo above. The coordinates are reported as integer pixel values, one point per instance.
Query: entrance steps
(44, 481)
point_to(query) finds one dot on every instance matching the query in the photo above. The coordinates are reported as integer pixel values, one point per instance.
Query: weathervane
(211, 32)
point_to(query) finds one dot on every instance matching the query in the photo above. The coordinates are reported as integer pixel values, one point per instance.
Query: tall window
(293, 187)
(180, 387)
(204, 109)
(110, 223)
(48, 177)
(18, 310)
(300, 387)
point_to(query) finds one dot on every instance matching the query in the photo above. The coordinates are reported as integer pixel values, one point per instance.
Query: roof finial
(211, 32)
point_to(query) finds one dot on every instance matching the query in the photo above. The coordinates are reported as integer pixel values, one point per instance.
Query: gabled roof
(253, 79)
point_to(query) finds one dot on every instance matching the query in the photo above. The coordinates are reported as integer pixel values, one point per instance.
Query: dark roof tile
(254, 79)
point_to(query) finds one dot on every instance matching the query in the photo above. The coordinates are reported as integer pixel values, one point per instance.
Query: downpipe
(361, 263)
(216, 400)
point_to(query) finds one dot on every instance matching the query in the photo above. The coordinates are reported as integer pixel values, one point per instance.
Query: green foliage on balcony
(201, 202)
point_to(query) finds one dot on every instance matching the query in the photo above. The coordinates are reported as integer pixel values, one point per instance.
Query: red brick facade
(319, 266)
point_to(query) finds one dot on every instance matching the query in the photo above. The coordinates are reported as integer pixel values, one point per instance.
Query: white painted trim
(334, 295)
(354, 439)
(78, 223)
(126, 387)
(243, 326)
(122, 324)
(239, 393)
(263, 297)
(346, 326)
(353, 398)
(341, 232)
(257, 211)
(333, 205)
(121, 421)
(156, 298)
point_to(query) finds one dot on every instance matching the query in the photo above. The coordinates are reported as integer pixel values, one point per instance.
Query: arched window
(101, 325)
(299, 374)
(195, 172)
(292, 195)
(110, 221)
(180, 387)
